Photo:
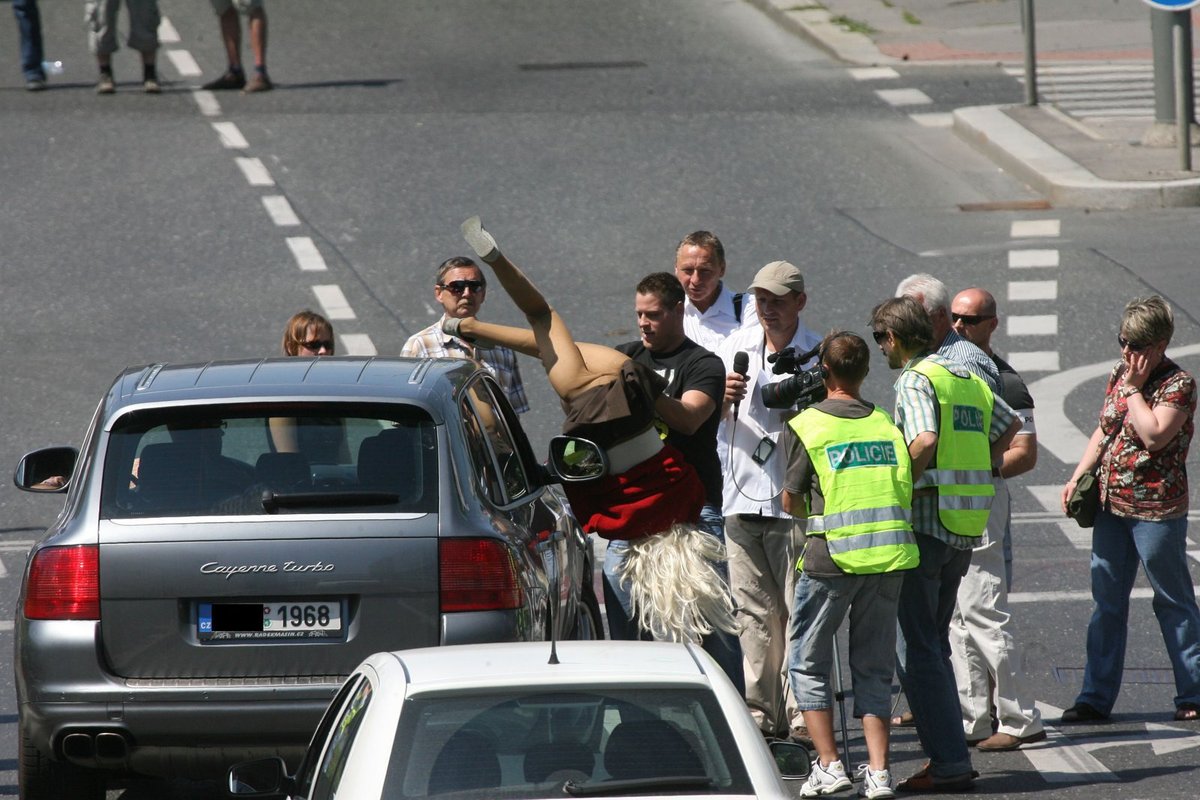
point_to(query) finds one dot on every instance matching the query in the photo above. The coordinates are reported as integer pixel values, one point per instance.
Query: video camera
(802, 389)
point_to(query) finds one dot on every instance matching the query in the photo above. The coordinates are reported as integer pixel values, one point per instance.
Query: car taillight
(477, 575)
(64, 583)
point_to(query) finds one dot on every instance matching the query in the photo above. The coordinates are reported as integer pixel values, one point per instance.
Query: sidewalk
(1079, 161)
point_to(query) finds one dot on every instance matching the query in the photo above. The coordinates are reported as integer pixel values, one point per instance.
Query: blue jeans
(29, 23)
(1118, 544)
(618, 606)
(927, 601)
(821, 605)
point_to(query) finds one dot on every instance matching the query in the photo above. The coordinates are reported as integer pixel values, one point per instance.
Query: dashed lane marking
(934, 120)
(307, 256)
(874, 74)
(207, 102)
(6, 626)
(333, 302)
(357, 344)
(255, 171)
(1034, 361)
(904, 97)
(231, 137)
(1035, 228)
(1033, 290)
(280, 210)
(1032, 325)
(1024, 259)
(166, 31)
(184, 64)
(16, 545)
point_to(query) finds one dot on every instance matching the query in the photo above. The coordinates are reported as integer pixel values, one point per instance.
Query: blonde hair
(1147, 320)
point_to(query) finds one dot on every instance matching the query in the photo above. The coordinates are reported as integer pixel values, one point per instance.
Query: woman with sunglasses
(651, 497)
(321, 439)
(1144, 432)
(307, 333)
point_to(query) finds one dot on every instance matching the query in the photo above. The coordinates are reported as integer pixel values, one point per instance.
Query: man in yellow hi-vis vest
(955, 427)
(849, 473)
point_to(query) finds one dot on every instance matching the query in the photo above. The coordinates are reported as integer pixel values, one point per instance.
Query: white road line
(1097, 90)
(1030, 228)
(1047, 496)
(1194, 555)
(17, 545)
(934, 120)
(1034, 361)
(184, 64)
(3, 570)
(1059, 760)
(307, 256)
(904, 97)
(357, 344)
(1084, 595)
(1057, 434)
(333, 302)
(1080, 69)
(1101, 113)
(255, 171)
(1023, 259)
(6, 625)
(231, 137)
(280, 210)
(874, 73)
(1033, 290)
(1032, 325)
(207, 101)
(166, 31)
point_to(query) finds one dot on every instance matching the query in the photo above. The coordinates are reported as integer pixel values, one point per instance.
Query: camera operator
(761, 536)
(849, 474)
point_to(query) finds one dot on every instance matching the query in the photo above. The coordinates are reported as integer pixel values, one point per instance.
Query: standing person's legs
(618, 605)
(723, 646)
(755, 591)
(924, 612)
(819, 605)
(256, 25)
(143, 27)
(101, 19)
(783, 544)
(1162, 546)
(1114, 568)
(29, 23)
(231, 35)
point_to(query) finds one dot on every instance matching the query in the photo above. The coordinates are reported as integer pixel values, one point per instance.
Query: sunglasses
(879, 336)
(317, 344)
(1134, 347)
(971, 319)
(458, 287)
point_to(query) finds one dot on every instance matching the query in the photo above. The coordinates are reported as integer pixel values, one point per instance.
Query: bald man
(983, 652)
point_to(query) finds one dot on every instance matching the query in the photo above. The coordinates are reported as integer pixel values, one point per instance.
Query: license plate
(281, 619)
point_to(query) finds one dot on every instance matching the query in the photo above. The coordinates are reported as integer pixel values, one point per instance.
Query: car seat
(650, 748)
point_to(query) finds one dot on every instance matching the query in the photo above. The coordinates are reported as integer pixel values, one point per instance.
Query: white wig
(677, 592)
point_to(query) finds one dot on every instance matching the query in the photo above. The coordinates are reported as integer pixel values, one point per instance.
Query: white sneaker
(825, 780)
(875, 783)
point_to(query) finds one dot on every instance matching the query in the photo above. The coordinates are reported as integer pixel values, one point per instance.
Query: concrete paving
(1072, 157)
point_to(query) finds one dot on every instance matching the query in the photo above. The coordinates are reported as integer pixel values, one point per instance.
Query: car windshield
(534, 743)
(270, 459)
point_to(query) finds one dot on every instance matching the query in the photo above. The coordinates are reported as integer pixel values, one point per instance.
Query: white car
(607, 719)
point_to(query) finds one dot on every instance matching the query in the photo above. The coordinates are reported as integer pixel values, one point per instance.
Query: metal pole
(1183, 91)
(1027, 25)
(1164, 75)
(840, 696)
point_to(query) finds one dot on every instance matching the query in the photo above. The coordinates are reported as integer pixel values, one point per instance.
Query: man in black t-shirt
(696, 380)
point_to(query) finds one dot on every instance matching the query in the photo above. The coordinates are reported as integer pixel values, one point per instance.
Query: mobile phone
(766, 446)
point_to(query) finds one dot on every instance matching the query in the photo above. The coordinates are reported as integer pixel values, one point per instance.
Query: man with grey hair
(762, 538)
(932, 294)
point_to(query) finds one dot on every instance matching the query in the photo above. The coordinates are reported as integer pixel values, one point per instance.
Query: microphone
(741, 363)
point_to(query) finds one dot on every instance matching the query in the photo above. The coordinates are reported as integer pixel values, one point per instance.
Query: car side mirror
(792, 759)
(264, 777)
(574, 459)
(47, 470)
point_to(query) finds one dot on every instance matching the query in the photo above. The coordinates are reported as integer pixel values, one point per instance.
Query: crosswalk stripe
(1074, 69)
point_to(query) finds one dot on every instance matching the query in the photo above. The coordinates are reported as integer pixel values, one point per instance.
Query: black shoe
(1082, 712)
(229, 81)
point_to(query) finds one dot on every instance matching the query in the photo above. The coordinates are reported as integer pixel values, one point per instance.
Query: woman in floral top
(1146, 425)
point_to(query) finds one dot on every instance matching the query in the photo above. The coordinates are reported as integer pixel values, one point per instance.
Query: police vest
(866, 479)
(963, 471)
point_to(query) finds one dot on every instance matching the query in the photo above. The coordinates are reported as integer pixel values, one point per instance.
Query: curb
(1063, 181)
(817, 25)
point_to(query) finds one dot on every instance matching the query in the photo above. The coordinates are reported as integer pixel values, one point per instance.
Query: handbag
(1084, 501)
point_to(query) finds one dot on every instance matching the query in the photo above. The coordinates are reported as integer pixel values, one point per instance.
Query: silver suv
(238, 536)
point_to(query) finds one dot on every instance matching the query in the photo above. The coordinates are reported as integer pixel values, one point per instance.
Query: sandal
(1187, 712)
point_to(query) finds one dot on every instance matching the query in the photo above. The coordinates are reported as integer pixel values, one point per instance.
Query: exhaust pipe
(96, 748)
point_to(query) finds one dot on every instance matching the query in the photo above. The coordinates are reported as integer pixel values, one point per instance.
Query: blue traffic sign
(1172, 5)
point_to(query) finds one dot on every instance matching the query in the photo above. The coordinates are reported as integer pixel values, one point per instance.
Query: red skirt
(648, 498)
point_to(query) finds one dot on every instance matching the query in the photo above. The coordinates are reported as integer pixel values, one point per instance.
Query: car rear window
(270, 459)
(529, 743)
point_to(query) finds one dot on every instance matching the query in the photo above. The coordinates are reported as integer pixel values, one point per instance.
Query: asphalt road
(590, 136)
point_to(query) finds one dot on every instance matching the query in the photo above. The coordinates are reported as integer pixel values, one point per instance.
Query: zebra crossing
(1095, 90)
